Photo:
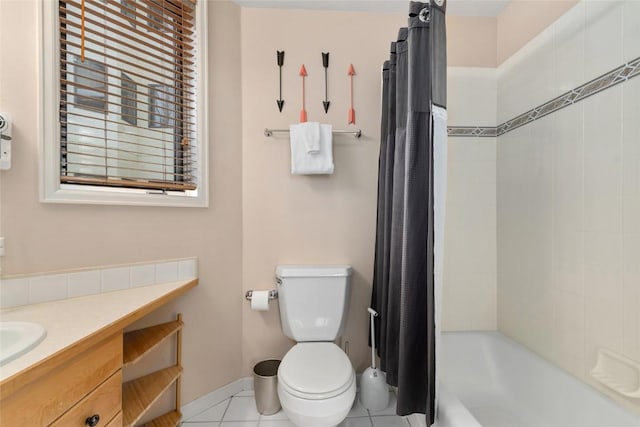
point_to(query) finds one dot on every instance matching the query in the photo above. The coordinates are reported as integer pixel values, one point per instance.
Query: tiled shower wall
(568, 193)
(469, 294)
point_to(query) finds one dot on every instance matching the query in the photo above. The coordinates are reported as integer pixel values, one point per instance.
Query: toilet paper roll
(260, 301)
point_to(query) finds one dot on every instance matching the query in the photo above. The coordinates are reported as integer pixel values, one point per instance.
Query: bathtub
(488, 380)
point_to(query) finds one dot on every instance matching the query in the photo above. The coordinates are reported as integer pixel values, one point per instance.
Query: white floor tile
(239, 424)
(242, 408)
(240, 411)
(276, 423)
(390, 409)
(357, 410)
(280, 415)
(215, 413)
(205, 424)
(356, 422)
(389, 421)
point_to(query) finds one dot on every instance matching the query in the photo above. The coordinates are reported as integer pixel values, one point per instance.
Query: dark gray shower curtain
(403, 289)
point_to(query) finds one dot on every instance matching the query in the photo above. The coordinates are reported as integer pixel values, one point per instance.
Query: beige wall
(43, 237)
(331, 219)
(522, 20)
(472, 41)
(309, 219)
(482, 41)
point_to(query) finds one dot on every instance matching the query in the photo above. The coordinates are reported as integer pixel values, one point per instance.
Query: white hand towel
(304, 162)
(307, 133)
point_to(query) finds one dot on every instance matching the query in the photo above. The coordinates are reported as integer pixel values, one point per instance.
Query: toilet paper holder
(273, 294)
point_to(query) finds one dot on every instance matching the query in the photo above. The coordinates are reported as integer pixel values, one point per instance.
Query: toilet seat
(315, 371)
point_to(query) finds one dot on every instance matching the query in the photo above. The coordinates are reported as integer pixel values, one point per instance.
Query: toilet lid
(316, 370)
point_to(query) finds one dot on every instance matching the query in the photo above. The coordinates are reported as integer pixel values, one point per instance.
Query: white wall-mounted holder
(5, 141)
(617, 372)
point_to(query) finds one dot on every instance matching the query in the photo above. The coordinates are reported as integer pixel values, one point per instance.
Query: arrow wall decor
(325, 64)
(280, 59)
(352, 113)
(303, 112)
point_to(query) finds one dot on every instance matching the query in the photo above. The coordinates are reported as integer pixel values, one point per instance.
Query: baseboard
(247, 383)
(223, 393)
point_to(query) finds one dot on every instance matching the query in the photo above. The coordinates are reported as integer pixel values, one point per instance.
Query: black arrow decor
(280, 57)
(325, 64)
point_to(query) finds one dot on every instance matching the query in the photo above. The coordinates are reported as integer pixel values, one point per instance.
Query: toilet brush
(374, 391)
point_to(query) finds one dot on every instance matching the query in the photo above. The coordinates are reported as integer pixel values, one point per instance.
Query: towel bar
(356, 133)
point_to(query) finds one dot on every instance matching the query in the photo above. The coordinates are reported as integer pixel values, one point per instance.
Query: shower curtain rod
(356, 133)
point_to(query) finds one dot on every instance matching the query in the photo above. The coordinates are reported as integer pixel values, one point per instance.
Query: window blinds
(127, 93)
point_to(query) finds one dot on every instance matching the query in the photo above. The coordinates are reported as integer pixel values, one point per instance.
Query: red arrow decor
(352, 113)
(303, 112)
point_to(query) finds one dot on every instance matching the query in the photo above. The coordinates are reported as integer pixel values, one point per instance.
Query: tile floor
(240, 411)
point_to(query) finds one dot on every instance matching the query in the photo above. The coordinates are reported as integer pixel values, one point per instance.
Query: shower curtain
(410, 213)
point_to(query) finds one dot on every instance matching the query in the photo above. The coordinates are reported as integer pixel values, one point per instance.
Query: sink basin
(17, 338)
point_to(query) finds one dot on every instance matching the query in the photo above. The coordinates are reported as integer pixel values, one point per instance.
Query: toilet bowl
(316, 381)
(316, 384)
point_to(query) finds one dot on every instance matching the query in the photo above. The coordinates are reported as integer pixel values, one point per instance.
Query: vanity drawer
(105, 401)
(55, 390)
(116, 421)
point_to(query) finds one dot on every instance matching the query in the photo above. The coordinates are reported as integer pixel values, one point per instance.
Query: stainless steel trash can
(265, 384)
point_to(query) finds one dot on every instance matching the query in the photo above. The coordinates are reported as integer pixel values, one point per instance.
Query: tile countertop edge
(109, 313)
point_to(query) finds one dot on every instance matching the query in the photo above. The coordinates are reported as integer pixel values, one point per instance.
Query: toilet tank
(313, 301)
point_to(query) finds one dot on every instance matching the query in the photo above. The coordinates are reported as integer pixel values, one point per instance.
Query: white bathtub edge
(451, 412)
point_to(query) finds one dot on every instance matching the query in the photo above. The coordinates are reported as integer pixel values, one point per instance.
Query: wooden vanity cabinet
(65, 392)
(98, 407)
(82, 385)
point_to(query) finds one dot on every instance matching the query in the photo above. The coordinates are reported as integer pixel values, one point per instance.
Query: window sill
(71, 194)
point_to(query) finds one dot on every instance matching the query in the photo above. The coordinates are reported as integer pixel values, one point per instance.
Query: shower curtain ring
(424, 15)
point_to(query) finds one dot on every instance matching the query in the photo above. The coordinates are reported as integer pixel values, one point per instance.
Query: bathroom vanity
(74, 377)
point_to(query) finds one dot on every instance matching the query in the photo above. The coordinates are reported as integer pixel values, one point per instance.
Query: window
(124, 101)
(129, 107)
(89, 85)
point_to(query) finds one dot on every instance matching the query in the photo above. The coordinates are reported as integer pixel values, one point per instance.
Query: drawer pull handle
(93, 420)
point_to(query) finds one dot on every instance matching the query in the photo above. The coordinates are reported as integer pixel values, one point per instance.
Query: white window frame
(51, 189)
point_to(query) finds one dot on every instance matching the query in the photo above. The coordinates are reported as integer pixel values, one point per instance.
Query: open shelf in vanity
(138, 395)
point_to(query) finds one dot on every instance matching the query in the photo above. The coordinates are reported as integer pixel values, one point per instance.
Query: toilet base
(317, 413)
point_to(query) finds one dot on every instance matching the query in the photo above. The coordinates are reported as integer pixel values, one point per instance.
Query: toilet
(316, 381)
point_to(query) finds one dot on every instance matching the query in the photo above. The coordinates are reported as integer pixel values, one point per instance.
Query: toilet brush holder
(374, 391)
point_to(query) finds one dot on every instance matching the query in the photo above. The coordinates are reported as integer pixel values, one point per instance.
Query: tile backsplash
(469, 290)
(568, 191)
(22, 290)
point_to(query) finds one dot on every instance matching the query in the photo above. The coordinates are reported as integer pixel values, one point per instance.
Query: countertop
(71, 321)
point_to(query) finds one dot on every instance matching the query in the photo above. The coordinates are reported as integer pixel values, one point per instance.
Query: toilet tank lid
(313, 270)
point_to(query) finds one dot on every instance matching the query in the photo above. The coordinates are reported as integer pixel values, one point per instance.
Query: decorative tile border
(610, 79)
(475, 131)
